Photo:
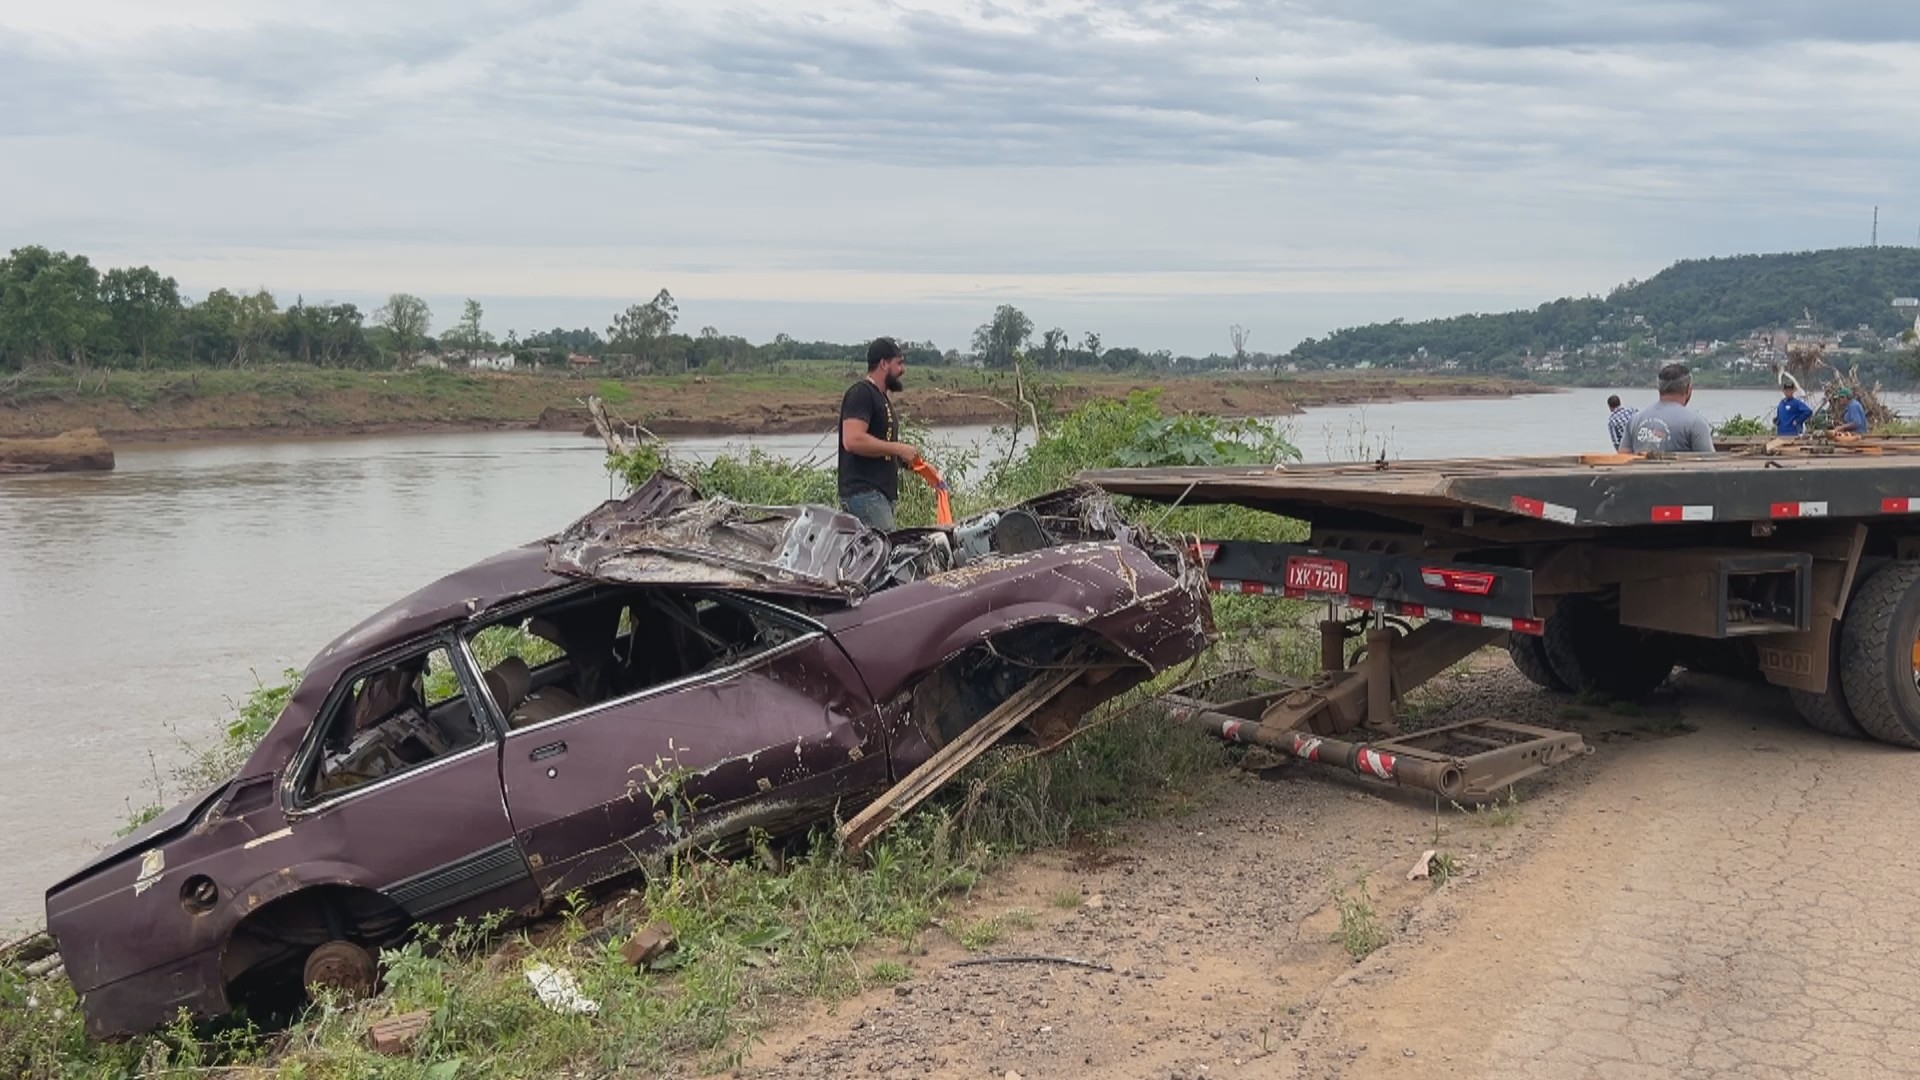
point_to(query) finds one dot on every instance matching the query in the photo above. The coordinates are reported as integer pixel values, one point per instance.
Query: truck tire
(1592, 653)
(1877, 654)
(1828, 712)
(1529, 654)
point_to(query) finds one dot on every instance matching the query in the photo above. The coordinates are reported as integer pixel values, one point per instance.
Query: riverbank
(169, 406)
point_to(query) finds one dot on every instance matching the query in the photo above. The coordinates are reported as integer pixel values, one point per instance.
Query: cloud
(776, 153)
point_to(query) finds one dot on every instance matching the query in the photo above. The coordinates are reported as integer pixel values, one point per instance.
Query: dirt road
(1716, 892)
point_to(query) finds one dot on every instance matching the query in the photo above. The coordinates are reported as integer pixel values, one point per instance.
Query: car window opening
(391, 720)
(581, 652)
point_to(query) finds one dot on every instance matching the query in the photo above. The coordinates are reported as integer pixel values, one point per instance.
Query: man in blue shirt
(1790, 418)
(1854, 419)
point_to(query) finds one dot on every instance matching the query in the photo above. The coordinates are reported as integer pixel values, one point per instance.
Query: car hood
(666, 533)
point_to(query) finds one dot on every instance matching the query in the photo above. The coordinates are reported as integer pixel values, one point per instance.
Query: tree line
(1721, 299)
(58, 308)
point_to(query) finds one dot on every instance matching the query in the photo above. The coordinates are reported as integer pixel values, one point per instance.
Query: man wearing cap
(1854, 419)
(1791, 415)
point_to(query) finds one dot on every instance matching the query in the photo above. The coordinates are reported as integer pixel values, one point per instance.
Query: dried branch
(616, 444)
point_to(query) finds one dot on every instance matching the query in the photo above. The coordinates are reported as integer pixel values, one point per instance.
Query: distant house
(582, 362)
(491, 362)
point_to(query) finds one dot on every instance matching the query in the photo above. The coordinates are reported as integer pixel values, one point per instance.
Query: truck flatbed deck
(1871, 481)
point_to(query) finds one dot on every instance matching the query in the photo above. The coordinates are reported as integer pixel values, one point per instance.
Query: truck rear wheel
(1828, 712)
(1592, 653)
(1880, 654)
(1529, 654)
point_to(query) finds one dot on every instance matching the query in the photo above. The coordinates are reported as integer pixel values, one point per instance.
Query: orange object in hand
(926, 471)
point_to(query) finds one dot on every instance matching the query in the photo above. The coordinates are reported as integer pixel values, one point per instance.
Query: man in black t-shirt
(870, 451)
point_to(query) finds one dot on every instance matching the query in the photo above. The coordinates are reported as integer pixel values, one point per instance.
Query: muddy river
(137, 605)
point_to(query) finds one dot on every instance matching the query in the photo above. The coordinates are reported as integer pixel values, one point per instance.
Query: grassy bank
(795, 396)
(758, 935)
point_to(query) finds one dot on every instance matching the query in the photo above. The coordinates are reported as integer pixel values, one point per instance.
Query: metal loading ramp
(1471, 761)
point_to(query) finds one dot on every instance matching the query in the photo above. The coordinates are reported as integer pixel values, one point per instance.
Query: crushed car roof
(666, 533)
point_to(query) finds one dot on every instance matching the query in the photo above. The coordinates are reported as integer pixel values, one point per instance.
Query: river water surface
(139, 604)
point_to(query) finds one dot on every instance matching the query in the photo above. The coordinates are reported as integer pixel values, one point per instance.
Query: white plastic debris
(559, 990)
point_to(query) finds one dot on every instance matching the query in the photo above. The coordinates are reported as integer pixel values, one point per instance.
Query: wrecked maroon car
(545, 720)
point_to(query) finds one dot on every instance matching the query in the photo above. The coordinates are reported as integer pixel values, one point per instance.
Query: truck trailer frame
(1792, 561)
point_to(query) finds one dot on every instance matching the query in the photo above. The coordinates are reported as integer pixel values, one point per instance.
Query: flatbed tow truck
(1794, 561)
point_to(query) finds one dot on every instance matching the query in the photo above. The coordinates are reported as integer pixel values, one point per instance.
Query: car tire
(1529, 655)
(1592, 653)
(342, 968)
(1877, 653)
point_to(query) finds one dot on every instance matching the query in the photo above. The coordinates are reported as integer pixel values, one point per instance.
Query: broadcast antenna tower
(1876, 227)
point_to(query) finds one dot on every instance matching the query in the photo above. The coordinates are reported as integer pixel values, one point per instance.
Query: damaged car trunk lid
(667, 533)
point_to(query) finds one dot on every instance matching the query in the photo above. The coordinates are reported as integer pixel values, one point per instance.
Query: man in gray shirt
(1668, 426)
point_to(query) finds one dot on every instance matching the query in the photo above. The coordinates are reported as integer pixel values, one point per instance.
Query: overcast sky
(1155, 170)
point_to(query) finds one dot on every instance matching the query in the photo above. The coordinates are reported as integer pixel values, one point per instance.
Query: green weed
(977, 934)
(1068, 899)
(888, 972)
(1496, 814)
(1360, 931)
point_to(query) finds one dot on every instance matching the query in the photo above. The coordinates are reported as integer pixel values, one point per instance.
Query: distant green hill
(1694, 300)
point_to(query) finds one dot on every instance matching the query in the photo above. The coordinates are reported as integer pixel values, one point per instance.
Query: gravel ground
(1717, 891)
(1219, 924)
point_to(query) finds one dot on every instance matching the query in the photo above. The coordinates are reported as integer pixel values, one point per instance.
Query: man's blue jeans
(870, 507)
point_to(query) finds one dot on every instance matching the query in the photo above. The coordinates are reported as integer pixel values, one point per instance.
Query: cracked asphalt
(1716, 892)
(1730, 902)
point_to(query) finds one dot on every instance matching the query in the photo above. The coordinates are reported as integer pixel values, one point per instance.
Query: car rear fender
(289, 880)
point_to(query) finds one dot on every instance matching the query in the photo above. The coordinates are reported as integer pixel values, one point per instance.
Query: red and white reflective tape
(1900, 506)
(1388, 607)
(1799, 510)
(1683, 513)
(1544, 510)
(1208, 551)
(1230, 731)
(1306, 747)
(1376, 763)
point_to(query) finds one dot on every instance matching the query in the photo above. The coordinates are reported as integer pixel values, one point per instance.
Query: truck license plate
(1317, 575)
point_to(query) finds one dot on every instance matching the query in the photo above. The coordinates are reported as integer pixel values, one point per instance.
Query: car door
(769, 739)
(431, 834)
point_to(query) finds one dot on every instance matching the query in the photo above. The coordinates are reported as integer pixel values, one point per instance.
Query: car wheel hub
(342, 968)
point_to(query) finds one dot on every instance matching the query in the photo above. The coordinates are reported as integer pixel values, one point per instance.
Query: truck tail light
(1471, 582)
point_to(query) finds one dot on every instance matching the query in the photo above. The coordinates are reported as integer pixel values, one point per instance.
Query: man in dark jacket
(870, 451)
